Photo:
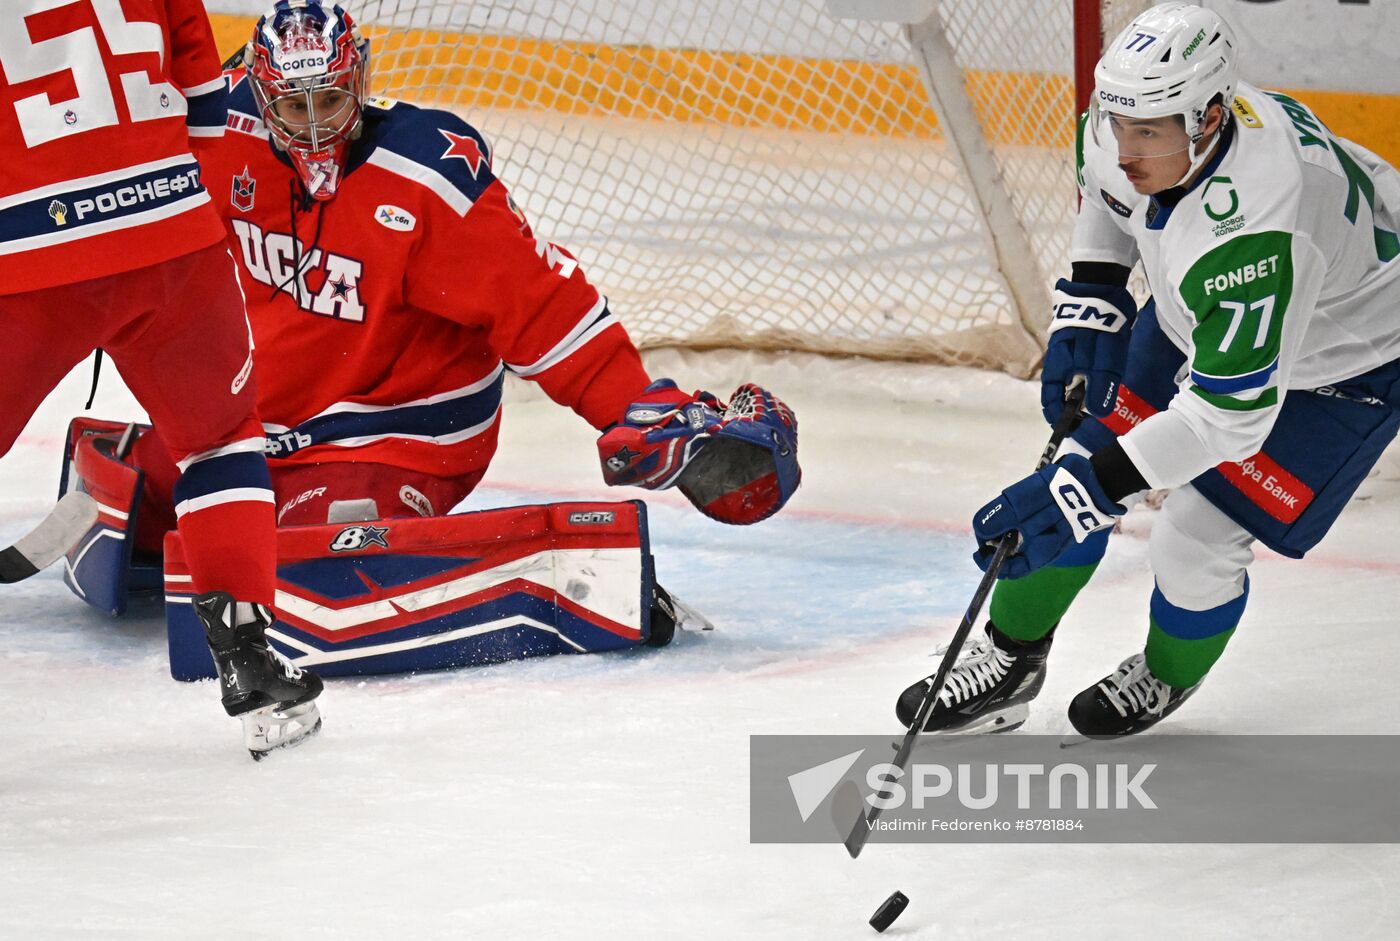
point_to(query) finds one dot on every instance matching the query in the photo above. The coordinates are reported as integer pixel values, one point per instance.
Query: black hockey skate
(274, 699)
(989, 688)
(1126, 701)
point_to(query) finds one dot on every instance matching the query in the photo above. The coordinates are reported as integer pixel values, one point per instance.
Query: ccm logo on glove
(1089, 316)
(1089, 335)
(1077, 506)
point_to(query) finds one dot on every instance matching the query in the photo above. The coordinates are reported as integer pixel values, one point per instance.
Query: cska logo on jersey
(241, 195)
(281, 262)
(465, 148)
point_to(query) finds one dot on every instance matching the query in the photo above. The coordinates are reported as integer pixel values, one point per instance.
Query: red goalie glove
(736, 463)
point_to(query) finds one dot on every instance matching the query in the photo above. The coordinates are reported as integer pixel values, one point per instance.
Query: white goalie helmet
(308, 66)
(1173, 59)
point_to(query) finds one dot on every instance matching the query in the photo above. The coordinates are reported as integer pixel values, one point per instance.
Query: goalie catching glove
(737, 463)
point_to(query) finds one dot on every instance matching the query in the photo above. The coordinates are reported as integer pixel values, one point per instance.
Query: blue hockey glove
(1058, 504)
(1088, 336)
(737, 463)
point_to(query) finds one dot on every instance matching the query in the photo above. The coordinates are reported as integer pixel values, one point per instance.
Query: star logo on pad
(374, 536)
(465, 148)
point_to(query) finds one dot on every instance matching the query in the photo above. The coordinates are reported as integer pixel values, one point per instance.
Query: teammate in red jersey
(392, 282)
(108, 238)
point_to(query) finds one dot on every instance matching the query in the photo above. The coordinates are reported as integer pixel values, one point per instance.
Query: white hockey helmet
(1173, 59)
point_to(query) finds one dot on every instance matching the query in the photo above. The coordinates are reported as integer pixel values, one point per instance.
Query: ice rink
(606, 797)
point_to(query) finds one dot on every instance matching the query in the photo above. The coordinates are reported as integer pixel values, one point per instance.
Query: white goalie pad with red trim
(403, 595)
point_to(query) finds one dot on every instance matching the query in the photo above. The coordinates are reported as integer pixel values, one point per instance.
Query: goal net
(763, 174)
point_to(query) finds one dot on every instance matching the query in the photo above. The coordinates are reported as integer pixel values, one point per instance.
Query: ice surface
(606, 796)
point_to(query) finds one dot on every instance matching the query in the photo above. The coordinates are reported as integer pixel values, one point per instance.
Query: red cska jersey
(99, 105)
(385, 318)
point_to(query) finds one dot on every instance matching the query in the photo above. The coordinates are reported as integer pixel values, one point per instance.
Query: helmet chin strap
(1199, 159)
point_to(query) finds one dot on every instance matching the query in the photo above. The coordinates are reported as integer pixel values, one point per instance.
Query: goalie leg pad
(102, 568)
(404, 595)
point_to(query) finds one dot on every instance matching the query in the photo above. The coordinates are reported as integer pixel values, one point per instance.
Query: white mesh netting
(757, 173)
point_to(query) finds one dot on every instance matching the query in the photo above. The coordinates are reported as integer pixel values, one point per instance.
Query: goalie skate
(989, 688)
(669, 614)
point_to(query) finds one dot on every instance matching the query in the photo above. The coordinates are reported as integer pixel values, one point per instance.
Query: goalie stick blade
(66, 523)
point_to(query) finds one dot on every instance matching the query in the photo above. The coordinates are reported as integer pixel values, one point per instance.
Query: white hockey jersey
(1276, 271)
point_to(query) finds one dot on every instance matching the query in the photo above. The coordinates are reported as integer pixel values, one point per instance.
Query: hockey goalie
(391, 283)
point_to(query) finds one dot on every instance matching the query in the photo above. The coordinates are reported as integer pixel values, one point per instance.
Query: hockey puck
(888, 911)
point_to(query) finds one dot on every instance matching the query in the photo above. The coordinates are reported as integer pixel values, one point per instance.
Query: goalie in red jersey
(392, 282)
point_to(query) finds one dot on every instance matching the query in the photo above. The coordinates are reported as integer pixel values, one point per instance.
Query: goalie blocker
(395, 595)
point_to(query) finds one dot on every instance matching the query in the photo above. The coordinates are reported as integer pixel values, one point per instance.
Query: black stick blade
(14, 567)
(848, 813)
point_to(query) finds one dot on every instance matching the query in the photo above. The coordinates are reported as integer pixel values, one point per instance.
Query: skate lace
(980, 665)
(1132, 687)
(289, 669)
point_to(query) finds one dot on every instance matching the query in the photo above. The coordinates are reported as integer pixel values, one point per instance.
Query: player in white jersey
(1259, 384)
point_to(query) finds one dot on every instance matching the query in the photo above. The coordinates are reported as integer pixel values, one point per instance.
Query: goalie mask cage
(888, 178)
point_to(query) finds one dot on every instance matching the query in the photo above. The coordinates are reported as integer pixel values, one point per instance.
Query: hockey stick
(865, 823)
(66, 523)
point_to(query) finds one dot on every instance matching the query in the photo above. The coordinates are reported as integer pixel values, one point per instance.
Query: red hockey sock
(231, 547)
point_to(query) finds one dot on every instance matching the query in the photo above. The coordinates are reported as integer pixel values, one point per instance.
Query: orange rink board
(771, 91)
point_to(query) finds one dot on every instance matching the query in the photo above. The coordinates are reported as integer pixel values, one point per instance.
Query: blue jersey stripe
(1229, 385)
(60, 213)
(208, 110)
(435, 420)
(225, 472)
(1197, 625)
